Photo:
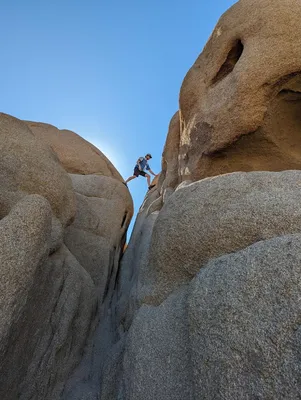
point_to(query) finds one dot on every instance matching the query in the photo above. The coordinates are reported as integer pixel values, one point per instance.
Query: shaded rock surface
(104, 211)
(157, 352)
(221, 324)
(244, 314)
(169, 177)
(54, 272)
(235, 211)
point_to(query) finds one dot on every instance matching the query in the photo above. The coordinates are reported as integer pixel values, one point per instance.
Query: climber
(142, 163)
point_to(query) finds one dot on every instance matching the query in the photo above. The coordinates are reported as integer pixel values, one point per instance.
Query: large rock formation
(205, 302)
(61, 239)
(207, 305)
(240, 101)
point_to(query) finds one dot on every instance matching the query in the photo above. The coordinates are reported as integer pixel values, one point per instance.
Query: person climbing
(142, 163)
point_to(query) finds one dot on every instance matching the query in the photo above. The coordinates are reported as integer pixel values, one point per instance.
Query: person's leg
(130, 178)
(135, 175)
(148, 179)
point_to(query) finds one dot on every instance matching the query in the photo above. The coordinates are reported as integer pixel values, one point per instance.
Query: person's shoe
(151, 186)
(125, 184)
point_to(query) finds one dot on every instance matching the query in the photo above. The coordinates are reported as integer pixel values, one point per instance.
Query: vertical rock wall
(61, 239)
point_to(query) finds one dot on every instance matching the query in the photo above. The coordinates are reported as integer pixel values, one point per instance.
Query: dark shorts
(137, 172)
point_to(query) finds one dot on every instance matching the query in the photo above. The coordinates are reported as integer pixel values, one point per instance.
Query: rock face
(61, 239)
(104, 211)
(169, 177)
(245, 323)
(75, 154)
(262, 206)
(240, 101)
(205, 301)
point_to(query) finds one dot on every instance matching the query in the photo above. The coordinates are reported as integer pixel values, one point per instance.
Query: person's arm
(149, 170)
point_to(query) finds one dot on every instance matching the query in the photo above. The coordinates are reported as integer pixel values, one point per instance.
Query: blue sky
(109, 70)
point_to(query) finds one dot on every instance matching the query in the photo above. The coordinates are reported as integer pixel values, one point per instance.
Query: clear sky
(109, 70)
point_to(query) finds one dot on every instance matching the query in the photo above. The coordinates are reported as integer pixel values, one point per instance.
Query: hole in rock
(290, 95)
(232, 59)
(274, 146)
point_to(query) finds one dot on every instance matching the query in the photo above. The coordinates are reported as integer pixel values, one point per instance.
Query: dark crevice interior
(232, 58)
(287, 91)
(124, 220)
(290, 95)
